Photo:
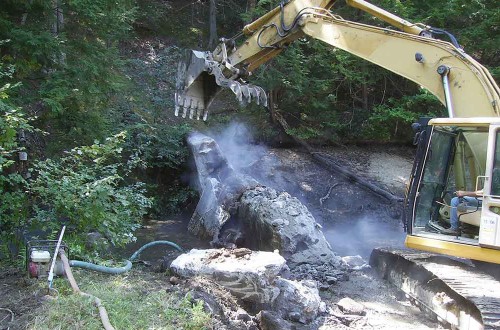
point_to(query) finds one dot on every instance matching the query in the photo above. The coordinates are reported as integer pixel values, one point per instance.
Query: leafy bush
(86, 190)
(13, 205)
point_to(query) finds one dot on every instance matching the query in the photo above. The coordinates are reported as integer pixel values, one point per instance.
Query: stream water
(172, 229)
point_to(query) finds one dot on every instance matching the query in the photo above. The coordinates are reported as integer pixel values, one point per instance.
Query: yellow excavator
(457, 153)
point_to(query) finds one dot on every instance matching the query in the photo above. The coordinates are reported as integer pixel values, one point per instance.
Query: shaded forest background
(87, 132)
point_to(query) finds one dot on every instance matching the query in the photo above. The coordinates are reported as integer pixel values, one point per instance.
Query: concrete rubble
(253, 277)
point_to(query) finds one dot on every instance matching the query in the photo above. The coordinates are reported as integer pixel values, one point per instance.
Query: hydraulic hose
(128, 263)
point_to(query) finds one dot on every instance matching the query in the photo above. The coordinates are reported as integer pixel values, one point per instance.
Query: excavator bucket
(200, 78)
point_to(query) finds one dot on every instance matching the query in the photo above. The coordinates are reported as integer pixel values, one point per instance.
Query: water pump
(39, 255)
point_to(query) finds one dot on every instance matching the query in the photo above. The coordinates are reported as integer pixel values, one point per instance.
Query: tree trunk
(58, 19)
(364, 88)
(212, 40)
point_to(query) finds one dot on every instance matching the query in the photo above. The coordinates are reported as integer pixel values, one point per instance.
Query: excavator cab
(450, 157)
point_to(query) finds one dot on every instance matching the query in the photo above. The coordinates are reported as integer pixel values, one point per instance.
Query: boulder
(248, 276)
(280, 221)
(208, 158)
(267, 219)
(219, 185)
(209, 215)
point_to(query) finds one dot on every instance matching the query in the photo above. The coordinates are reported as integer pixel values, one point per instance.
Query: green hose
(128, 263)
(102, 269)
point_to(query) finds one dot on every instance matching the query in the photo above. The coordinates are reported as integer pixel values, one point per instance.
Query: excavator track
(455, 292)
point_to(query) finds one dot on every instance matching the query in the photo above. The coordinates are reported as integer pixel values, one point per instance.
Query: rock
(97, 242)
(272, 321)
(324, 287)
(331, 280)
(209, 160)
(223, 307)
(209, 215)
(322, 308)
(242, 315)
(294, 316)
(248, 279)
(349, 306)
(219, 185)
(174, 280)
(297, 301)
(268, 220)
(263, 213)
(355, 262)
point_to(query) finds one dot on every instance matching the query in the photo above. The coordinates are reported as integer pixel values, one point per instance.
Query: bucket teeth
(195, 89)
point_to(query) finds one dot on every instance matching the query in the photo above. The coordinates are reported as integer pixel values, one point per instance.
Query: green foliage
(13, 206)
(390, 121)
(70, 73)
(85, 189)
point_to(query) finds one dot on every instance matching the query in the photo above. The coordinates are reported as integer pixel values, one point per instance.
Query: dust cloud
(236, 143)
(360, 236)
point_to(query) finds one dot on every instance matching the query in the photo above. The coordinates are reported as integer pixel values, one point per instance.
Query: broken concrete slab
(249, 277)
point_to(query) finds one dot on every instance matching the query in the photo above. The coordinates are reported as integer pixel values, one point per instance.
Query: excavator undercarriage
(457, 293)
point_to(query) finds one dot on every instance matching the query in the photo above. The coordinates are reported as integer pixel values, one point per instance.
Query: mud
(20, 296)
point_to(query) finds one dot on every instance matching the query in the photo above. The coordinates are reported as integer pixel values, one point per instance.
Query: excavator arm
(443, 68)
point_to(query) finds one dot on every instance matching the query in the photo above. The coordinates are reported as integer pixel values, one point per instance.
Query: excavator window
(434, 177)
(451, 163)
(495, 180)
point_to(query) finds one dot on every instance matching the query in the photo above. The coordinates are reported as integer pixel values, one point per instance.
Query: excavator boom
(443, 68)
